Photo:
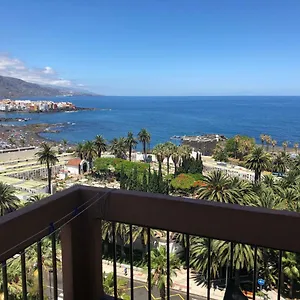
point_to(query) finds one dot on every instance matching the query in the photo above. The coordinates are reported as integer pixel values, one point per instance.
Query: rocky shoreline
(13, 136)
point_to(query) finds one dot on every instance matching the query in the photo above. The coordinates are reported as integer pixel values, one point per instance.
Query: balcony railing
(76, 216)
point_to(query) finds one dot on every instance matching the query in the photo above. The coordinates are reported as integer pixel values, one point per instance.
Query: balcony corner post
(82, 257)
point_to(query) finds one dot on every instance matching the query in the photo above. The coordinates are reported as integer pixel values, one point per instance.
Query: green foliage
(115, 165)
(183, 182)
(220, 154)
(239, 146)
(191, 165)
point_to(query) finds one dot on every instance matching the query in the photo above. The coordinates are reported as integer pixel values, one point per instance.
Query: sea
(165, 117)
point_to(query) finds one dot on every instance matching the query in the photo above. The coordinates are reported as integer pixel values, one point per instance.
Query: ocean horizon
(166, 116)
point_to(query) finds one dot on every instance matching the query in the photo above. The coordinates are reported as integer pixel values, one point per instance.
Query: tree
(121, 230)
(144, 137)
(169, 149)
(218, 187)
(131, 143)
(108, 286)
(175, 157)
(258, 161)
(8, 200)
(296, 146)
(184, 151)
(262, 139)
(159, 152)
(22, 142)
(290, 263)
(142, 232)
(64, 144)
(118, 147)
(285, 145)
(36, 198)
(89, 152)
(79, 150)
(279, 163)
(48, 157)
(268, 140)
(220, 154)
(274, 143)
(100, 145)
(159, 269)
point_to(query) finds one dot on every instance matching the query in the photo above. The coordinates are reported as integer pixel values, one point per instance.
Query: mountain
(12, 88)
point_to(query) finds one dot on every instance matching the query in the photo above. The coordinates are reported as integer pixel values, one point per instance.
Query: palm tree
(108, 286)
(22, 142)
(220, 257)
(274, 143)
(258, 161)
(36, 198)
(121, 230)
(159, 151)
(296, 146)
(279, 163)
(175, 157)
(218, 187)
(262, 139)
(268, 140)
(48, 157)
(89, 152)
(142, 232)
(79, 150)
(64, 143)
(169, 149)
(144, 137)
(185, 151)
(118, 147)
(290, 263)
(131, 143)
(8, 200)
(159, 269)
(285, 145)
(100, 145)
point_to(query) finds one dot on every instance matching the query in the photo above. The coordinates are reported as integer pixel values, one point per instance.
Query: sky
(154, 47)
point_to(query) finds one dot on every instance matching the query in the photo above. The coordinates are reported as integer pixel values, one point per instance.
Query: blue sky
(155, 47)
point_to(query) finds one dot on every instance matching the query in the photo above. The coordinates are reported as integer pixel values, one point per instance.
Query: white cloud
(13, 67)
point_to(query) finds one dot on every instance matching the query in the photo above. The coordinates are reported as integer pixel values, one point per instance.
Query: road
(140, 291)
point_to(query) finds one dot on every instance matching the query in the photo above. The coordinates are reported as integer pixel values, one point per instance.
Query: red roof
(75, 162)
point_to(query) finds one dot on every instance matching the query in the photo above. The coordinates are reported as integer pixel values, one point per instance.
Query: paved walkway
(179, 282)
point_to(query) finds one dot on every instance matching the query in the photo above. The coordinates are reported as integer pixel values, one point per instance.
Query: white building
(76, 166)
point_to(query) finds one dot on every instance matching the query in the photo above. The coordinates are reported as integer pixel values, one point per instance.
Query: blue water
(164, 117)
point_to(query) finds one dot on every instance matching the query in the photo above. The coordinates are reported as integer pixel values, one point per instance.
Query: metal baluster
(231, 259)
(23, 272)
(4, 275)
(208, 268)
(255, 273)
(54, 266)
(187, 267)
(115, 259)
(131, 262)
(40, 270)
(279, 274)
(168, 265)
(149, 262)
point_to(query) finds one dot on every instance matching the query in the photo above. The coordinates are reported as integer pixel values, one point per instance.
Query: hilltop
(13, 87)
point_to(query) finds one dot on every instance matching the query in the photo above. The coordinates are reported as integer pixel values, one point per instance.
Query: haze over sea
(164, 117)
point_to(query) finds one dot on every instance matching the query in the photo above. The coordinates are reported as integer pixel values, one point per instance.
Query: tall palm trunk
(162, 292)
(49, 177)
(144, 148)
(168, 165)
(130, 150)
(99, 153)
(256, 176)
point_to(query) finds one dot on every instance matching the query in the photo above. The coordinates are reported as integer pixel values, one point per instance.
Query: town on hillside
(8, 105)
